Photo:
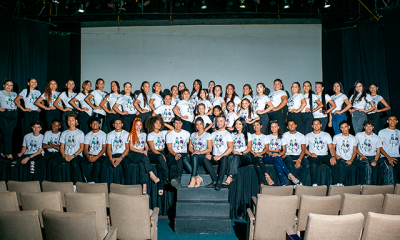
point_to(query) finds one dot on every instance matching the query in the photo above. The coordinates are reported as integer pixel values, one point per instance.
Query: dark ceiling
(161, 12)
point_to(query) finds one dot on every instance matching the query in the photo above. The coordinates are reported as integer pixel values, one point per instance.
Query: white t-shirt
(259, 142)
(179, 140)
(112, 99)
(98, 97)
(293, 143)
(231, 118)
(158, 139)
(239, 143)
(236, 101)
(95, 142)
(7, 100)
(51, 138)
(318, 143)
(30, 99)
(248, 97)
(118, 141)
(294, 102)
(245, 114)
(200, 142)
(338, 100)
(81, 98)
(141, 142)
(275, 97)
(72, 141)
(210, 96)
(205, 118)
(174, 101)
(217, 101)
(126, 103)
(194, 98)
(32, 143)
(376, 99)
(207, 105)
(186, 108)
(166, 112)
(259, 102)
(141, 102)
(344, 145)
(158, 100)
(368, 144)
(220, 141)
(317, 114)
(66, 98)
(361, 103)
(274, 143)
(54, 96)
(390, 140)
(314, 102)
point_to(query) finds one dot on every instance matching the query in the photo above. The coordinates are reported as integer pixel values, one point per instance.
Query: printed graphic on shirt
(70, 144)
(345, 146)
(10, 102)
(219, 141)
(190, 108)
(318, 143)
(198, 144)
(275, 144)
(167, 114)
(257, 145)
(290, 103)
(160, 143)
(32, 147)
(118, 143)
(394, 140)
(238, 142)
(255, 105)
(367, 145)
(95, 144)
(293, 146)
(129, 105)
(179, 144)
(139, 144)
(54, 140)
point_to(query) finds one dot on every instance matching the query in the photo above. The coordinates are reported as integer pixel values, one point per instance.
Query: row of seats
(275, 215)
(129, 211)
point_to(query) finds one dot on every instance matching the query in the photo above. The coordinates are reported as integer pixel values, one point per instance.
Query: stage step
(203, 225)
(202, 209)
(202, 194)
(185, 179)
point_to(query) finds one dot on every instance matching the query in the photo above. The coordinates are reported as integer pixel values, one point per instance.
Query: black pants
(52, 115)
(64, 118)
(76, 174)
(91, 170)
(134, 158)
(187, 126)
(236, 161)
(291, 166)
(40, 167)
(308, 117)
(162, 167)
(397, 169)
(127, 121)
(49, 164)
(315, 162)
(176, 166)
(144, 116)
(280, 117)
(298, 118)
(23, 172)
(196, 160)
(4, 169)
(324, 122)
(260, 168)
(376, 117)
(8, 122)
(29, 117)
(265, 122)
(102, 119)
(109, 174)
(83, 119)
(223, 164)
(110, 121)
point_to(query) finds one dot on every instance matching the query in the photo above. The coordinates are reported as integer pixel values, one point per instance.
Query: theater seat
(133, 190)
(20, 225)
(376, 189)
(381, 226)
(15, 186)
(3, 187)
(311, 191)
(9, 201)
(62, 187)
(93, 188)
(353, 203)
(391, 205)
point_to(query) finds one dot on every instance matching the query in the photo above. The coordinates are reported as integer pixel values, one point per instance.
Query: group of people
(180, 130)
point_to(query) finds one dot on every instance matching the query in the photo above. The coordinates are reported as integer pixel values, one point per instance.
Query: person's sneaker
(175, 183)
(74, 188)
(91, 182)
(315, 185)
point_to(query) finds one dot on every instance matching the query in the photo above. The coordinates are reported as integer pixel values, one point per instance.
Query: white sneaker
(91, 182)
(337, 184)
(315, 185)
(74, 188)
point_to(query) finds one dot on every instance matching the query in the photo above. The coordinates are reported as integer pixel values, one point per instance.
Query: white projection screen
(236, 54)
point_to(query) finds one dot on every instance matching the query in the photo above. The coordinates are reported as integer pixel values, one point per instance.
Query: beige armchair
(381, 226)
(62, 187)
(376, 189)
(391, 204)
(20, 225)
(93, 188)
(8, 201)
(311, 191)
(361, 204)
(15, 186)
(133, 190)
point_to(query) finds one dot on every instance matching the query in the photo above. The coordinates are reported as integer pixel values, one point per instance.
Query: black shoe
(225, 185)
(212, 184)
(175, 183)
(218, 186)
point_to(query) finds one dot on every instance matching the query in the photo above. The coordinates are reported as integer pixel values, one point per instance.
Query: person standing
(142, 102)
(322, 114)
(279, 99)
(262, 106)
(65, 97)
(111, 99)
(125, 107)
(94, 100)
(296, 104)
(185, 110)
(48, 97)
(342, 103)
(313, 105)
(377, 113)
(156, 99)
(390, 147)
(359, 101)
(85, 111)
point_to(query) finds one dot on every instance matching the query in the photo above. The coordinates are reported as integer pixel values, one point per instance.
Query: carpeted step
(203, 225)
(202, 194)
(202, 209)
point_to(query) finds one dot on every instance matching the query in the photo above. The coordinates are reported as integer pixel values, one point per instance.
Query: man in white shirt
(345, 145)
(177, 143)
(390, 148)
(319, 143)
(222, 147)
(23, 168)
(71, 148)
(94, 151)
(369, 149)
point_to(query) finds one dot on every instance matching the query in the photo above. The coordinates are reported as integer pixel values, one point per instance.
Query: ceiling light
(242, 4)
(286, 5)
(203, 4)
(327, 4)
(81, 10)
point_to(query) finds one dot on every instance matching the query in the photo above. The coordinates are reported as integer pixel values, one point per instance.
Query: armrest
(154, 215)
(154, 223)
(250, 224)
(291, 234)
(112, 234)
(254, 199)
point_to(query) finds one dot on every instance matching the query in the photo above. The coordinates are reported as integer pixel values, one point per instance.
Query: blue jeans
(336, 119)
(279, 165)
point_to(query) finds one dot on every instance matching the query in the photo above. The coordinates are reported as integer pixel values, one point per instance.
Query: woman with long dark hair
(296, 104)
(359, 101)
(230, 95)
(313, 105)
(218, 100)
(65, 97)
(31, 111)
(85, 111)
(279, 99)
(94, 100)
(185, 110)
(142, 102)
(342, 103)
(211, 85)
(377, 113)
(157, 98)
(111, 99)
(46, 102)
(124, 106)
(262, 106)
(8, 122)
(241, 154)
(247, 92)
(181, 87)
(174, 95)
(195, 94)
(322, 114)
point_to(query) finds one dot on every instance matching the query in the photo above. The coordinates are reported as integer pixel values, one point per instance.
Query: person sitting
(318, 143)
(177, 143)
(390, 144)
(222, 147)
(95, 148)
(23, 168)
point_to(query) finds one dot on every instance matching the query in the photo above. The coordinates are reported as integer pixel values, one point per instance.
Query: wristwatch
(29, 157)
(74, 155)
(122, 158)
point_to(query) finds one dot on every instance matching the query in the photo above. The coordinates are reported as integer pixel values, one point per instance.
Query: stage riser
(202, 194)
(203, 209)
(204, 226)
(185, 180)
